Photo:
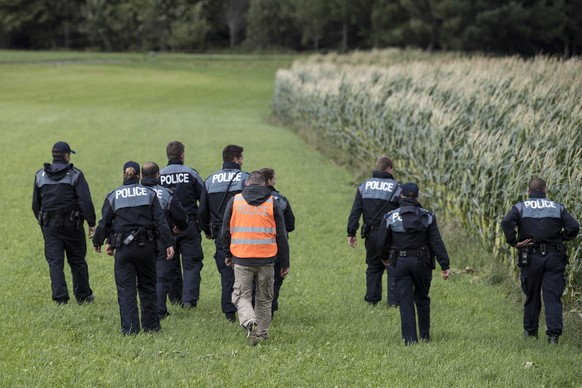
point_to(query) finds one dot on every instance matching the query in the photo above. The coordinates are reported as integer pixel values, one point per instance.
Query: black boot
(553, 339)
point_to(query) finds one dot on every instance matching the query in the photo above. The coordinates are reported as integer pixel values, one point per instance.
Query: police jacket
(61, 188)
(411, 227)
(129, 208)
(255, 197)
(374, 198)
(286, 207)
(539, 219)
(173, 209)
(215, 196)
(186, 184)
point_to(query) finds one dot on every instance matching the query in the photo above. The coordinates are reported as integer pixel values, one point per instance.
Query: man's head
(269, 175)
(409, 190)
(233, 153)
(537, 184)
(130, 170)
(175, 150)
(150, 170)
(256, 178)
(61, 150)
(384, 163)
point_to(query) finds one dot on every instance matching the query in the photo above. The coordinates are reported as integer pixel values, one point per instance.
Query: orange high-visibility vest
(253, 230)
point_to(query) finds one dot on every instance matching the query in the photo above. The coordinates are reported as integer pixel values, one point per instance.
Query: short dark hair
(383, 162)
(149, 170)
(537, 184)
(256, 178)
(230, 152)
(268, 173)
(174, 150)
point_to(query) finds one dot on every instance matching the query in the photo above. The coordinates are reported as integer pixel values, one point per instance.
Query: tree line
(524, 27)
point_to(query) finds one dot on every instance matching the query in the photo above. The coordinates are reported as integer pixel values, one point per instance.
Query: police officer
(177, 221)
(408, 242)
(254, 237)
(375, 197)
(188, 187)
(132, 218)
(289, 218)
(61, 200)
(542, 225)
(220, 187)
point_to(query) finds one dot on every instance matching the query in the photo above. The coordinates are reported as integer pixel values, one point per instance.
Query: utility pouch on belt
(214, 230)
(77, 219)
(426, 258)
(523, 257)
(365, 231)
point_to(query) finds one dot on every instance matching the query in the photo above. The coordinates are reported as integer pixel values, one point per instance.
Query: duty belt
(408, 252)
(374, 228)
(544, 248)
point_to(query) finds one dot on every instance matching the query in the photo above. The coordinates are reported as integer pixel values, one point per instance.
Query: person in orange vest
(254, 237)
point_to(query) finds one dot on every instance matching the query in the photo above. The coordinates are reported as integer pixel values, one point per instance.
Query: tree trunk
(344, 37)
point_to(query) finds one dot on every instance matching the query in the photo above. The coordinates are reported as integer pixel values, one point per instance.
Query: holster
(43, 218)
(392, 258)
(426, 258)
(77, 218)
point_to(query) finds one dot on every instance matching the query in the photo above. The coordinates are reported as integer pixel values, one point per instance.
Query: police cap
(410, 190)
(62, 147)
(131, 163)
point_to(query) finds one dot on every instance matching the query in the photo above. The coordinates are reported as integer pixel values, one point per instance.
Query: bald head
(150, 170)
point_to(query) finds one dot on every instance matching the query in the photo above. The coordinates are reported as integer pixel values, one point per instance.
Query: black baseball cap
(62, 147)
(410, 190)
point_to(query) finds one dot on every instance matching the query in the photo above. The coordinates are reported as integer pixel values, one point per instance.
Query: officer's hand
(169, 253)
(524, 243)
(176, 230)
(284, 272)
(228, 262)
(386, 263)
(97, 248)
(352, 241)
(446, 273)
(91, 232)
(110, 251)
(208, 237)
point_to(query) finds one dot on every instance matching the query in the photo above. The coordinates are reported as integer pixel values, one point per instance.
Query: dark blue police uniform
(188, 187)
(543, 264)
(175, 216)
(409, 238)
(220, 187)
(289, 219)
(374, 198)
(132, 220)
(61, 200)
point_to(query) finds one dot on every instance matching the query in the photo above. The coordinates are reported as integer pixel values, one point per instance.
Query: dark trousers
(189, 249)
(544, 275)
(164, 269)
(134, 262)
(276, 287)
(226, 279)
(413, 285)
(374, 273)
(60, 240)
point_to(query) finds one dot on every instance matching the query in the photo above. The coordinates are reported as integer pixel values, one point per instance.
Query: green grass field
(113, 108)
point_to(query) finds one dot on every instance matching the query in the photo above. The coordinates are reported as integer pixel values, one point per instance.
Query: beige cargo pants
(244, 277)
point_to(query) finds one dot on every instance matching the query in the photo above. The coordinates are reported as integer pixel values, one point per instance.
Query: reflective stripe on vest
(253, 229)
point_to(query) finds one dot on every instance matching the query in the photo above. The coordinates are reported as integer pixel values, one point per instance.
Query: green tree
(189, 26)
(311, 16)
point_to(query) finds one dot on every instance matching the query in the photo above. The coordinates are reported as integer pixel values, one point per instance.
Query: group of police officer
(152, 226)
(403, 238)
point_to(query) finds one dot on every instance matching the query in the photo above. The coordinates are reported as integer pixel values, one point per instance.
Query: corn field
(472, 131)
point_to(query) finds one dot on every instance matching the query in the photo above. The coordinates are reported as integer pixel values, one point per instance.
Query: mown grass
(114, 110)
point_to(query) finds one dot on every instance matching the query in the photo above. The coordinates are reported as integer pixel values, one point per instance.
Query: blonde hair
(130, 173)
